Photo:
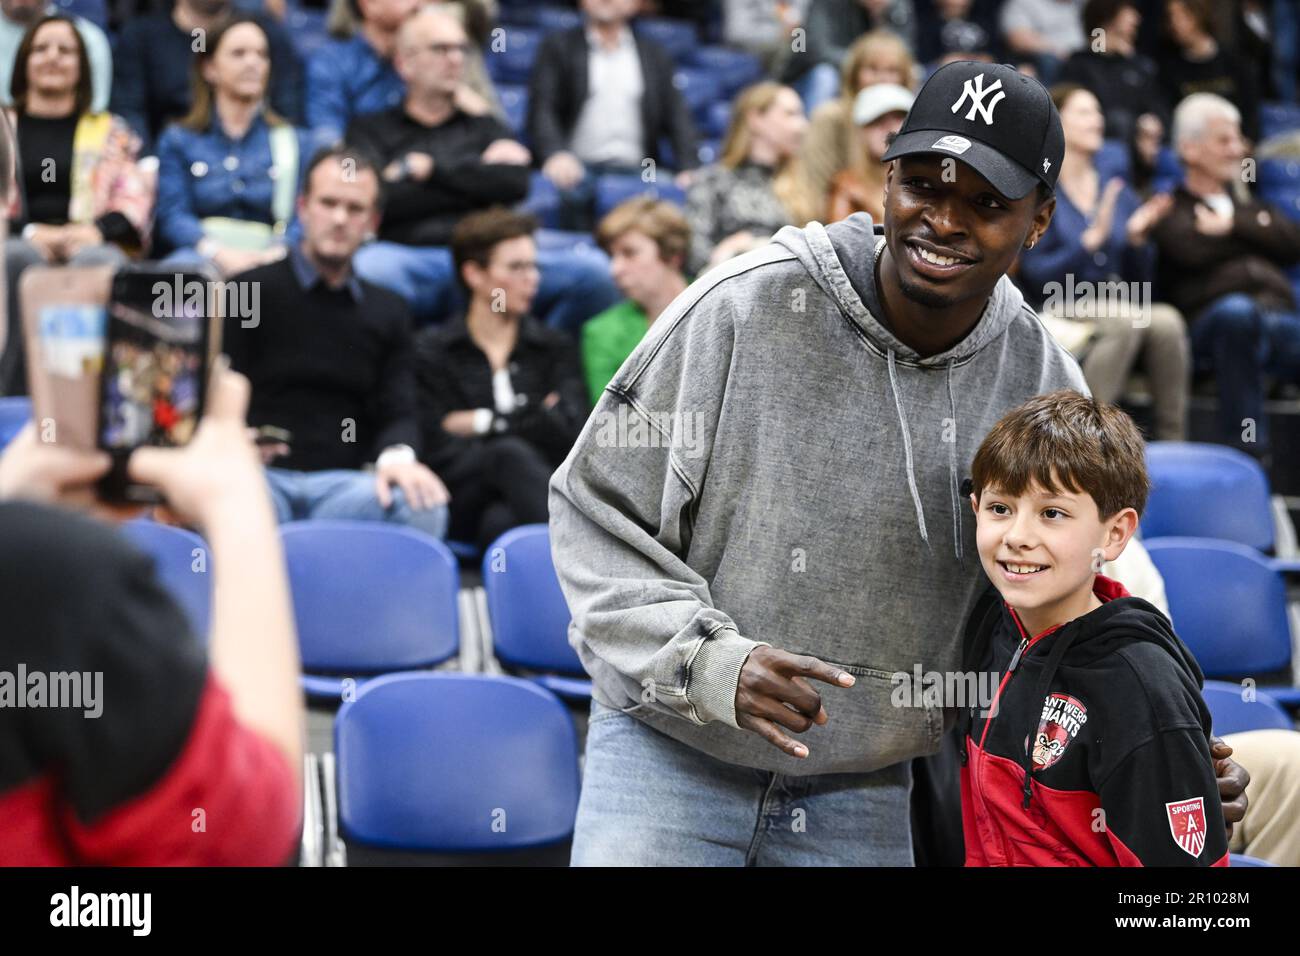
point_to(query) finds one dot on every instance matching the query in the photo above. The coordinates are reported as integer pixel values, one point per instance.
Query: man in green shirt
(647, 241)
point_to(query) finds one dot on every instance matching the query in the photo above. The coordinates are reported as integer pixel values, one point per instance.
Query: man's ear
(1119, 530)
(1042, 219)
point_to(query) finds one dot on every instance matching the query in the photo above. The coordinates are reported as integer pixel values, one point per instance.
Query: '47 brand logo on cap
(975, 91)
(1187, 824)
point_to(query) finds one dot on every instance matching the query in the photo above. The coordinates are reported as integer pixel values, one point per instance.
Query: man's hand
(506, 152)
(1233, 779)
(422, 488)
(1146, 216)
(564, 169)
(1211, 223)
(774, 689)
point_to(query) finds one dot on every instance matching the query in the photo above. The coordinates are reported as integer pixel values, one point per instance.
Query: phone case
(64, 316)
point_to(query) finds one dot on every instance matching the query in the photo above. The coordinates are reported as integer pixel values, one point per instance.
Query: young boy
(1095, 750)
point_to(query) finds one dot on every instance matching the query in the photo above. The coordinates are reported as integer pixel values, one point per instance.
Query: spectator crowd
(463, 217)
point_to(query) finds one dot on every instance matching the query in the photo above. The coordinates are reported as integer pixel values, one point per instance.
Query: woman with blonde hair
(754, 189)
(832, 141)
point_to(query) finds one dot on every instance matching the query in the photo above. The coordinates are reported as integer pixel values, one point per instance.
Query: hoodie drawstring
(952, 470)
(954, 495)
(907, 451)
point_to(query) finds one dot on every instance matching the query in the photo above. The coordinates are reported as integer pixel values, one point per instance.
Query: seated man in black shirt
(329, 357)
(501, 395)
(441, 163)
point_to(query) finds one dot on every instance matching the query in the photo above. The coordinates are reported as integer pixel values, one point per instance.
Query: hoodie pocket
(870, 726)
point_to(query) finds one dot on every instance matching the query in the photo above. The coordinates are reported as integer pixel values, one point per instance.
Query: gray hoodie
(772, 466)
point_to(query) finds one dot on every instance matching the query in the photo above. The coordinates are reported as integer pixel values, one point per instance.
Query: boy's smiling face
(1043, 548)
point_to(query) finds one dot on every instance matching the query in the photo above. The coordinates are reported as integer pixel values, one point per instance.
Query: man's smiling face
(951, 235)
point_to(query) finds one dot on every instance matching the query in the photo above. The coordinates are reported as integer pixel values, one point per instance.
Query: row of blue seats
(470, 763)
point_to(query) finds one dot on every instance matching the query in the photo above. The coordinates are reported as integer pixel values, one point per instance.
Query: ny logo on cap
(976, 91)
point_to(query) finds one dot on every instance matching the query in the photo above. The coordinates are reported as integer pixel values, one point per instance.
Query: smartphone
(160, 338)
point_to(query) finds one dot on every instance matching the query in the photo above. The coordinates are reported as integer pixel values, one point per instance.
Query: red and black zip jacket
(1095, 751)
(164, 774)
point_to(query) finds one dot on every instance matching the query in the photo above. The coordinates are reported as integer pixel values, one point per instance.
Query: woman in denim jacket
(230, 170)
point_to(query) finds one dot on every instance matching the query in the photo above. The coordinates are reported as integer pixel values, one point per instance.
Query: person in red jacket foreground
(1096, 750)
(166, 759)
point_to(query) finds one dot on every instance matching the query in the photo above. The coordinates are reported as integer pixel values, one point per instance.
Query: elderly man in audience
(1223, 261)
(441, 163)
(329, 358)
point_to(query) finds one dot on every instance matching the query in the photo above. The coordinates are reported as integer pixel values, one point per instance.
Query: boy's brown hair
(1066, 441)
(479, 233)
(658, 219)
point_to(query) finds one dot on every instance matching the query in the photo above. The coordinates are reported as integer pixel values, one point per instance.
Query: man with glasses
(441, 163)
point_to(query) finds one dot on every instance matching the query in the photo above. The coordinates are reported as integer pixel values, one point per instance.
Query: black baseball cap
(995, 119)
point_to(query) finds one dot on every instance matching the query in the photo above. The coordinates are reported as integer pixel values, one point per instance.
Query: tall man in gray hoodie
(767, 495)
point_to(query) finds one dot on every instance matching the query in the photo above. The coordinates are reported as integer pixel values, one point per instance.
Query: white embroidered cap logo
(975, 91)
(953, 144)
(1047, 164)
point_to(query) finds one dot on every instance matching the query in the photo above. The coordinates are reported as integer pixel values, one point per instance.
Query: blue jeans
(346, 495)
(575, 285)
(1241, 343)
(648, 800)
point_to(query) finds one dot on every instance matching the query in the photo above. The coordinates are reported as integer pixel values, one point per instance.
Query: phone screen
(155, 368)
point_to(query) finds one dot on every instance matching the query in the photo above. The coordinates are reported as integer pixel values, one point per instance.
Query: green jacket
(607, 339)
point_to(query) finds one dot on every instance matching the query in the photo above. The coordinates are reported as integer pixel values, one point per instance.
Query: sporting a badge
(1187, 824)
(1059, 724)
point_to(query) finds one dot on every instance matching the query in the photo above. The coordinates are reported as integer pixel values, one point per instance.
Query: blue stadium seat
(719, 119)
(1207, 491)
(558, 240)
(1278, 172)
(513, 63)
(369, 598)
(1275, 118)
(548, 19)
(701, 89)
(15, 412)
(614, 188)
(1240, 859)
(710, 151)
(514, 100)
(735, 68)
(530, 618)
(1285, 197)
(307, 30)
(1232, 715)
(1228, 603)
(456, 763)
(675, 36)
(96, 11)
(183, 565)
(543, 201)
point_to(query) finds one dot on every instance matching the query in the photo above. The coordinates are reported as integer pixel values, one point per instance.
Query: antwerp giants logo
(1187, 824)
(974, 91)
